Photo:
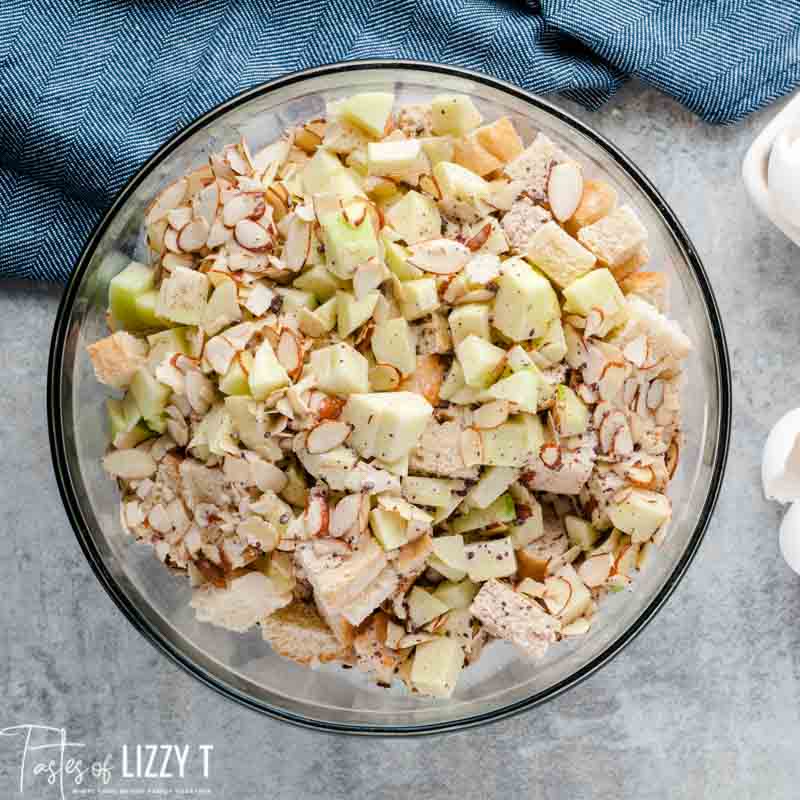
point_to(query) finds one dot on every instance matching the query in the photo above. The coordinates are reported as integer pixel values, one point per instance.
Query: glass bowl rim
(72, 503)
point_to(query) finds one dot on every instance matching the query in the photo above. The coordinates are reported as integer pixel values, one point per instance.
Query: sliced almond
(414, 639)
(672, 458)
(492, 415)
(611, 381)
(252, 236)
(179, 217)
(170, 198)
(327, 435)
(471, 446)
(266, 476)
(636, 351)
(194, 236)
(289, 352)
(595, 571)
(578, 627)
(655, 395)
(594, 322)
(480, 238)
(439, 256)
(644, 477)
(235, 156)
(356, 212)
(550, 454)
(129, 464)
(171, 241)
(239, 207)
(172, 260)
(564, 190)
(622, 445)
(612, 422)
(316, 517)
(346, 515)
(297, 249)
(384, 378)
(557, 595)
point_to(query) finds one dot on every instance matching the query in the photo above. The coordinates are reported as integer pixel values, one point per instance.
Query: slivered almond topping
(655, 395)
(596, 570)
(194, 236)
(238, 207)
(644, 477)
(480, 238)
(564, 190)
(170, 198)
(289, 352)
(171, 241)
(327, 435)
(368, 277)
(611, 380)
(252, 236)
(636, 351)
(439, 256)
(129, 464)
(550, 454)
(297, 249)
(346, 515)
(557, 595)
(316, 515)
(180, 217)
(612, 422)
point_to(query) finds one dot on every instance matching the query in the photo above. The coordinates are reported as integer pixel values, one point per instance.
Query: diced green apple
(434, 492)
(295, 299)
(525, 303)
(340, 369)
(454, 114)
(397, 260)
(480, 360)
(145, 308)
(392, 343)
(438, 148)
(369, 111)
(570, 415)
(320, 281)
(444, 569)
(437, 665)
(389, 528)
(641, 513)
(513, 443)
(597, 290)
(521, 388)
(393, 157)
(166, 343)
(418, 298)
(325, 174)
(351, 313)
(493, 482)
(456, 595)
(124, 289)
(423, 607)
(151, 396)
(450, 550)
(460, 184)
(386, 425)
(415, 218)
(267, 373)
(471, 318)
(580, 532)
(348, 245)
(501, 512)
(491, 559)
(236, 380)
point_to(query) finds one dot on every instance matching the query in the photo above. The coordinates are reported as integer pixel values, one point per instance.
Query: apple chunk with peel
(267, 373)
(423, 607)
(418, 298)
(597, 292)
(349, 238)
(393, 157)
(415, 218)
(324, 173)
(150, 395)
(460, 184)
(340, 369)
(481, 361)
(493, 482)
(436, 667)
(182, 296)
(499, 512)
(570, 415)
(456, 594)
(521, 388)
(469, 319)
(525, 304)
(392, 343)
(124, 291)
(369, 111)
(640, 513)
(386, 425)
(352, 313)
(433, 492)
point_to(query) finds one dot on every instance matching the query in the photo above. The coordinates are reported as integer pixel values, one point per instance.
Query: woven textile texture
(90, 88)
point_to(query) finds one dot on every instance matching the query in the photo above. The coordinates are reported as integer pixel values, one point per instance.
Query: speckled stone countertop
(704, 704)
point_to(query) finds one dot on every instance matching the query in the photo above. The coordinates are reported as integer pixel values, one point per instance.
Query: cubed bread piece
(532, 165)
(117, 358)
(639, 258)
(299, 633)
(614, 238)
(438, 452)
(522, 221)
(558, 255)
(501, 139)
(666, 336)
(651, 286)
(373, 656)
(513, 616)
(599, 199)
(568, 477)
(245, 602)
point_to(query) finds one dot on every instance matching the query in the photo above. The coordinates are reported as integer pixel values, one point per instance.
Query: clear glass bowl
(243, 667)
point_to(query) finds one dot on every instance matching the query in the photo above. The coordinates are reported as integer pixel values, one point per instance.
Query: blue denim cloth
(90, 88)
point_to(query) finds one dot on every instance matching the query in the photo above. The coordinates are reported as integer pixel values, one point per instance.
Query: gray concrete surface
(704, 704)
